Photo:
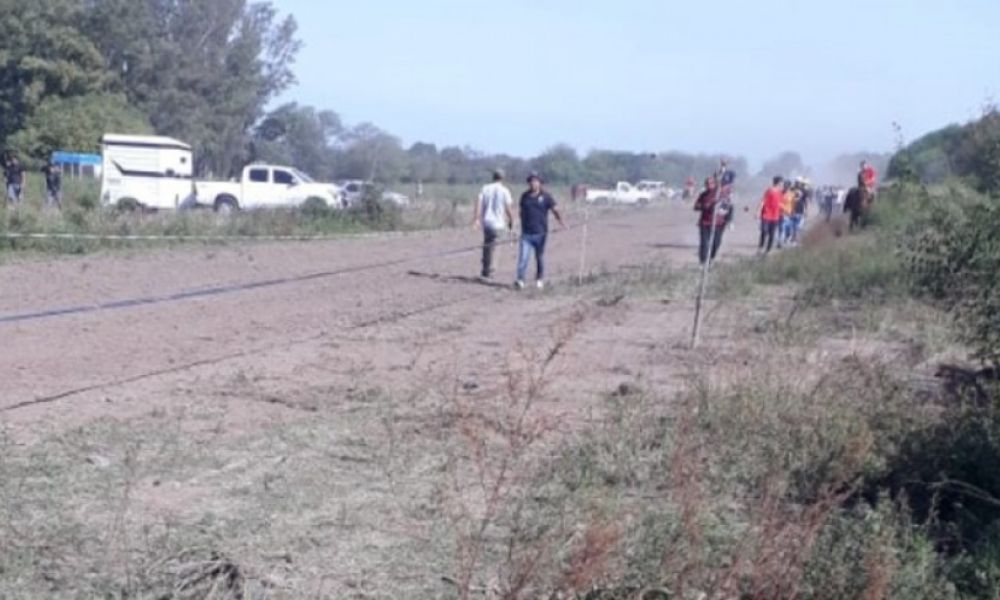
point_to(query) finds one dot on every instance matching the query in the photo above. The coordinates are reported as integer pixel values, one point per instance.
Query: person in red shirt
(711, 208)
(770, 214)
(868, 177)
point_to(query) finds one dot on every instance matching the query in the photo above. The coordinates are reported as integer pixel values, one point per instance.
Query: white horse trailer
(145, 171)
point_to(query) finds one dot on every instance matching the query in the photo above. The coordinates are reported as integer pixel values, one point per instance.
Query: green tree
(76, 124)
(202, 70)
(371, 154)
(44, 54)
(299, 136)
(559, 164)
(424, 163)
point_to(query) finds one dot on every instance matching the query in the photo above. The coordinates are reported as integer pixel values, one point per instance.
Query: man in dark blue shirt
(536, 204)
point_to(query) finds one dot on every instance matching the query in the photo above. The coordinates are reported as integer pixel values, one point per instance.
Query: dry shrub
(505, 543)
(739, 490)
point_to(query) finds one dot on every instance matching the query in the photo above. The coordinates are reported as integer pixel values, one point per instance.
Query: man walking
(14, 174)
(536, 204)
(799, 211)
(493, 215)
(787, 210)
(53, 185)
(709, 203)
(770, 214)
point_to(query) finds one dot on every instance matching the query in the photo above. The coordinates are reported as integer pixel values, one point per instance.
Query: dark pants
(768, 229)
(54, 196)
(489, 245)
(706, 239)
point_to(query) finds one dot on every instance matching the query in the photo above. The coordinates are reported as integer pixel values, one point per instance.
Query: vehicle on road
(396, 198)
(658, 189)
(145, 171)
(266, 186)
(354, 191)
(623, 193)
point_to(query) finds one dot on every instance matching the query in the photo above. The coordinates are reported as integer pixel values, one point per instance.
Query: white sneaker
(518, 285)
(540, 284)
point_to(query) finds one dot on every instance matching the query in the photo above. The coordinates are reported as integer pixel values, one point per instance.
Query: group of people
(16, 181)
(715, 204)
(782, 211)
(494, 216)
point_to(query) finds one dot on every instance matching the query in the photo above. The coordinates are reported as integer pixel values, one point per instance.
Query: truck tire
(128, 205)
(314, 207)
(225, 205)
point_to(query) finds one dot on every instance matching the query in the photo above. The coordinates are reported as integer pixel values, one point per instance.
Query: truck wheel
(128, 205)
(225, 205)
(314, 207)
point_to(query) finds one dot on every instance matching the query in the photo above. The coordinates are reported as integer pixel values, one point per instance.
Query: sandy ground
(338, 370)
(124, 355)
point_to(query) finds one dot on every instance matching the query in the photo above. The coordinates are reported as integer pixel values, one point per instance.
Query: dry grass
(741, 486)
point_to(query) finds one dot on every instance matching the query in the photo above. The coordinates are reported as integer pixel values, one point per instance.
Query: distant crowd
(782, 211)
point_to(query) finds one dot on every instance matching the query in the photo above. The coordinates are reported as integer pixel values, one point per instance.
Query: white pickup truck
(624, 193)
(265, 186)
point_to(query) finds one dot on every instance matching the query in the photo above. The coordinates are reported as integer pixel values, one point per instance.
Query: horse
(858, 204)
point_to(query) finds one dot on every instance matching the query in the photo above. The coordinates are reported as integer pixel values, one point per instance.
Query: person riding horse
(861, 198)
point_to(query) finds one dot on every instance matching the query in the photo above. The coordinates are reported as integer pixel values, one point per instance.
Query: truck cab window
(258, 175)
(283, 178)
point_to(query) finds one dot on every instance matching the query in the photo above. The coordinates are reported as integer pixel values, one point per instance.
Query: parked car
(623, 193)
(657, 189)
(266, 186)
(354, 191)
(401, 200)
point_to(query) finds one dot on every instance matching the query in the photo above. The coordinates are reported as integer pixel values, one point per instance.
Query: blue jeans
(797, 223)
(13, 192)
(785, 235)
(531, 243)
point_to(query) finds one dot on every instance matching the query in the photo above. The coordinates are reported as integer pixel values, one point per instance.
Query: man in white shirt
(493, 214)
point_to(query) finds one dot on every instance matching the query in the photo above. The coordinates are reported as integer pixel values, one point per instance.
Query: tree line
(970, 152)
(208, 72)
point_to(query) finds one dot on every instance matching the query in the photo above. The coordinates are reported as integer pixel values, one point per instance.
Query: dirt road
(126, 330)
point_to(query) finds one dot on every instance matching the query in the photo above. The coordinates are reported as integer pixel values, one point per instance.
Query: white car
(354, 192)
(657, 189)
(624, 193)
(401, 200)
(266, 186)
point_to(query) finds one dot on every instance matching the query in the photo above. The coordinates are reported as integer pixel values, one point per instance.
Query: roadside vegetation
(81, 215)
(843, 442)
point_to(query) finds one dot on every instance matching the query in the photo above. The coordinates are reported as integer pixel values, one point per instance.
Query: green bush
(953, 258)
(861, 268)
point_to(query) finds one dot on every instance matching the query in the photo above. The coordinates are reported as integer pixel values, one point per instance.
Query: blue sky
(751, 78)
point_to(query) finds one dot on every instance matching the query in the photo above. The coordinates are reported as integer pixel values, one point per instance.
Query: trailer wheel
(225, 205)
